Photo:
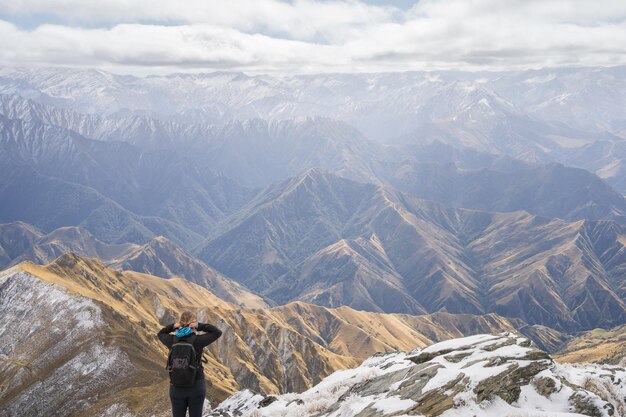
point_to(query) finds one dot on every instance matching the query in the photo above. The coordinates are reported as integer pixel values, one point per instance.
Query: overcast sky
(304, 36)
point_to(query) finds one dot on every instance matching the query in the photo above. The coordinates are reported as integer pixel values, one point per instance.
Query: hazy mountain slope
(157, 183)
(158, 257)
(139, 130)
(585, 98)
(472, 116)
(276, 350)
(607, 159)
(255, 152)
(564, 275)
(549, 190)
(467, 178)
(49, 203)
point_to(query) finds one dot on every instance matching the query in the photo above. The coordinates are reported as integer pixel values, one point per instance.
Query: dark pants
(188, 397)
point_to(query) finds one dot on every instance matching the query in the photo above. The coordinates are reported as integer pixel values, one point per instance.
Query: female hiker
(184, 363)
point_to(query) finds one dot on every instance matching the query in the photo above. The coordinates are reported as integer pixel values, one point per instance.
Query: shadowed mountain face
(605, 158)
(326, 239)
(116, 191)
(466, 178)
(15, 240)
(506, 185)
(113, 353)
(50, 203)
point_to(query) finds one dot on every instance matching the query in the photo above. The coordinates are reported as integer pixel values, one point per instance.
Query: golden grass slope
(598, 345)
(281, 349)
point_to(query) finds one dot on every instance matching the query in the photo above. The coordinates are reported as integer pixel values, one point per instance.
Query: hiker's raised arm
(164, 335)
(212, 333)
(168, 329)
(208, 328)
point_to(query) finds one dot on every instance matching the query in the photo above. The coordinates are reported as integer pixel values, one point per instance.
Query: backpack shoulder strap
(169, 355)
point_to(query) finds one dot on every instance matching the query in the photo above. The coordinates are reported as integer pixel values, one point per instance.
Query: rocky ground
(485, 375)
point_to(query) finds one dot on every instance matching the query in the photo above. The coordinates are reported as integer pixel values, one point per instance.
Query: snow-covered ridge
(582, 97)
(51, 355)
(483, 375)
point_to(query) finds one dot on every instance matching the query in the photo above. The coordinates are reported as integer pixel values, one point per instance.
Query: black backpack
(182, 362)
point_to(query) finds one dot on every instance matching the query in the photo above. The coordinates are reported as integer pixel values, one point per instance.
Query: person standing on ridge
(184, 363)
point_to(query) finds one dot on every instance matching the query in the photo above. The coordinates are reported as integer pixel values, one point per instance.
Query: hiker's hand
(176, 325)
(193, 325)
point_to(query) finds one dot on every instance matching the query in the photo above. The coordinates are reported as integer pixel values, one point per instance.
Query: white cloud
(300, 18)
(312, 36)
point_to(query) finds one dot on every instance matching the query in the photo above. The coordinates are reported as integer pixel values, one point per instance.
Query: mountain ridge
(158, 257)
(456, 260)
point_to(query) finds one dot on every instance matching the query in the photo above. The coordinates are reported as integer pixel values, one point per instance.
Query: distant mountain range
(278, 184)
(186, 189)
(385, 104)
(537, 115)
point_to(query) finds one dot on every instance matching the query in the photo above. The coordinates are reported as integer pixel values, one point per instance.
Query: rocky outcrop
(485, 375)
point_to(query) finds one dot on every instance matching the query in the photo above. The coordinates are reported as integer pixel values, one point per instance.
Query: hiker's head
(186, 318)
